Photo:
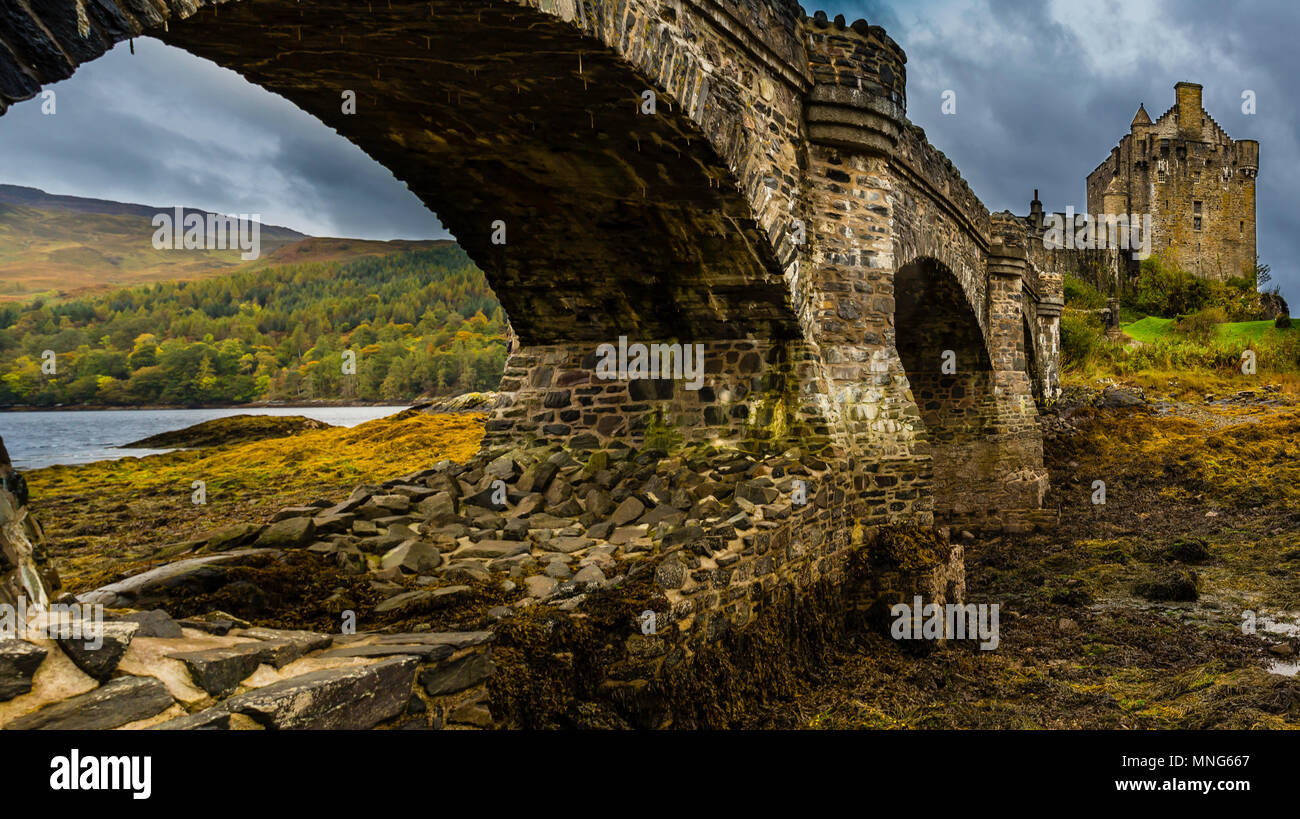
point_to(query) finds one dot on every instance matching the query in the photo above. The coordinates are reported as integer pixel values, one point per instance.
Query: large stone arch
(523, 113)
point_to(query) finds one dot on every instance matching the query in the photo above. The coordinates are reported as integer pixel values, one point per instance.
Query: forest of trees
(419, 323)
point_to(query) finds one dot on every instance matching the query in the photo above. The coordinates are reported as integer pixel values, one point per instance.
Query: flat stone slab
(309, 640)
(211, 719)
(124, 592)
(456, 675)
(19, 660)
(456, 639)
(112, 705)
(494, 549)
(425, 651)
(215, 622)
(350, 698)
(156, 623)
(420, 599)
(568, 545)
(220, 670)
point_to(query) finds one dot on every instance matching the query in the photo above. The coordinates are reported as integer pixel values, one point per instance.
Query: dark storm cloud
(1046, 89)
(162, 127)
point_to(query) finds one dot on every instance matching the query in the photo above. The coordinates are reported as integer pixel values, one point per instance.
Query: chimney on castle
(1190, 112)
(1036, 212)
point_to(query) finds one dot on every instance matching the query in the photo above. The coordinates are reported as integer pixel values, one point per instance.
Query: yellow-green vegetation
(387, 447)
(1252, 462)
(111, 519)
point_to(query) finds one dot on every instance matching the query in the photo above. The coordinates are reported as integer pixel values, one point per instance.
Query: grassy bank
(110, 519)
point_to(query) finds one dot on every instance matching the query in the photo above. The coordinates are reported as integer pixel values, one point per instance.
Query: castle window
(1196, 223)
(1241, 230)
(1196, 207)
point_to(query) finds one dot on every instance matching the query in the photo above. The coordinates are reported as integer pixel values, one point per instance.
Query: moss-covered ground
(1208, 492)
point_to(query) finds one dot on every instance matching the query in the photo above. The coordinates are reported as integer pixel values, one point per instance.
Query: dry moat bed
(1099, 627)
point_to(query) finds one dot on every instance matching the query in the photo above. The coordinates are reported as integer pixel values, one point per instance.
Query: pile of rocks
(536, 519)
(1267, 395)
(539, 523)
(146, 670)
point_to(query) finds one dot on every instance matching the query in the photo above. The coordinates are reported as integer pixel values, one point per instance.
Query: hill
(377, 328)
(68, 246)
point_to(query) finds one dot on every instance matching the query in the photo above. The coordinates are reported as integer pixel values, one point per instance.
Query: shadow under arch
(950, 373)
(1031, 362)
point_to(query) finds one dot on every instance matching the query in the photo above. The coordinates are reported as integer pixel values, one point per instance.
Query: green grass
(1149, 329)
(1152, 329)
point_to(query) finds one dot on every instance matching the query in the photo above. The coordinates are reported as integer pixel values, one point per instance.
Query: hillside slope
(69, 246)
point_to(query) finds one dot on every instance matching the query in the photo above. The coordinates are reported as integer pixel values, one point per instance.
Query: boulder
(628, 511)
(219, 671)
(155, 623)
(290, 533)
(438, 509)
(230, 537)
(540, 586)
(451, 676)
(413, 557)
(350, 698)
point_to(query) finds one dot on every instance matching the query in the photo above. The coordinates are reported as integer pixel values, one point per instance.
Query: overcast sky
(1043, 91)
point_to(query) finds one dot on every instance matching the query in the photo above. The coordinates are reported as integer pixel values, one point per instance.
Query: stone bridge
(729, 173)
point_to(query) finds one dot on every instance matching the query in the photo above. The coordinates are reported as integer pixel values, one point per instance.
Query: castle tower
(1197, 183)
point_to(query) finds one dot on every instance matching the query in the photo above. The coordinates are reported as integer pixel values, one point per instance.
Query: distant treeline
(421, 322)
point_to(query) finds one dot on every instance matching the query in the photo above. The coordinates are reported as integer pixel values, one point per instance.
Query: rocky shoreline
(546, 561)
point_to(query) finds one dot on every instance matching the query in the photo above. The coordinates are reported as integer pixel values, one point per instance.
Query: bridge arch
(521, 118)
(950, 374)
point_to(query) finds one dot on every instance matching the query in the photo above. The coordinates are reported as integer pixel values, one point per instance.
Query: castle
(1196, 183)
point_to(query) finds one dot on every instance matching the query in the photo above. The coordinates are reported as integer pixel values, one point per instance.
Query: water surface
(45, 438)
